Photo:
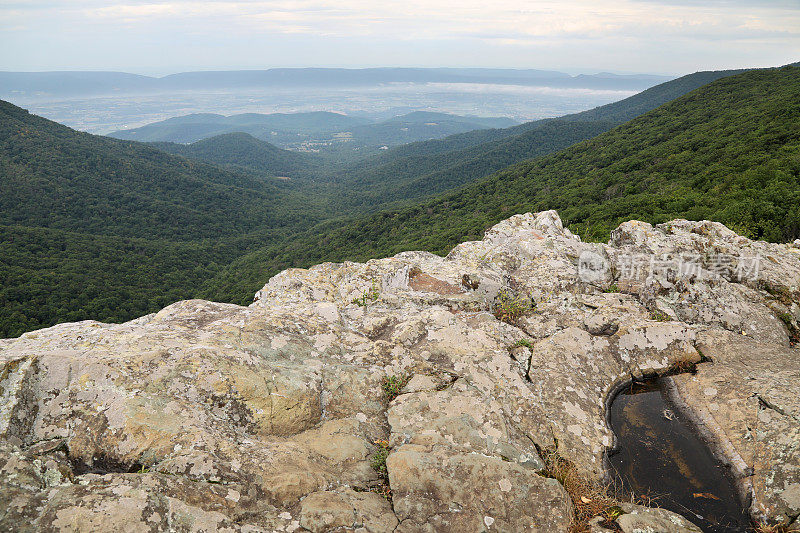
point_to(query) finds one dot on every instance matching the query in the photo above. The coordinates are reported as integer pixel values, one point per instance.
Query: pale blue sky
(159, 37)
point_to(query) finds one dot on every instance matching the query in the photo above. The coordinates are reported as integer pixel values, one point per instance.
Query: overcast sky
(155, 37)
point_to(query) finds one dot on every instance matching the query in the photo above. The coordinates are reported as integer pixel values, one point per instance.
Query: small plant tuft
(509, 307)
(786, 318)
(392, 385)
(682, 366)
(523, 343)
(589, 498)
(660, 316)
(368, 296)
(613, 288)
(378, 464)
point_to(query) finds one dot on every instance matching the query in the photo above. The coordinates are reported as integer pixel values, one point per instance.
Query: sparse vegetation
(794, 332)
(392, 385)
(682, 366)
(524, 343)
(777, 528)
(613, 288)
(509, 307)
(589, 498)
(368, 296)
(378, 464)
(659, 315)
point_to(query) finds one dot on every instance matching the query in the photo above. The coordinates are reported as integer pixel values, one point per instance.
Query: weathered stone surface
(640, 519)
(653, 520)
(747, 403)
(436, 490)
(217, 417)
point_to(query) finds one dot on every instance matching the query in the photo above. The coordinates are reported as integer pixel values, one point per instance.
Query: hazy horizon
(161, 74)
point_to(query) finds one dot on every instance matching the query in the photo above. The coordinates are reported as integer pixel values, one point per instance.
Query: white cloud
(443, 18)
(615, 27)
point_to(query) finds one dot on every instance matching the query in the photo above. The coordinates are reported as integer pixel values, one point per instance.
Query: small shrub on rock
(392, 385)
(509, 307)
(366, 297)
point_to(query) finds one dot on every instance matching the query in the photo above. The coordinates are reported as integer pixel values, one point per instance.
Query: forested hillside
(417, 170)
(242, 150)
(619, 112)
(56, 177)
(729, 151)
(93, 227)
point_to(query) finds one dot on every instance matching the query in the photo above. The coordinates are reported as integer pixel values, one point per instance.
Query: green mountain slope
(192, 128)
(418, 170)
(92, 227)
(55, 177)
(245, 151)
(729, 151)
(618, 112)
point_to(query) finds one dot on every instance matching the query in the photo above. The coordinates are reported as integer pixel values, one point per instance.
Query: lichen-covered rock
(638, 519)
(277, 416)
(434, 489)
(747, 404)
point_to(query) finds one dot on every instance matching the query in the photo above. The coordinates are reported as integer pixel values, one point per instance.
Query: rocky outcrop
(413, 393)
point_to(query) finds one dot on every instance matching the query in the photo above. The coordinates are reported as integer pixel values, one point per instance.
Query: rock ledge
(216, 417)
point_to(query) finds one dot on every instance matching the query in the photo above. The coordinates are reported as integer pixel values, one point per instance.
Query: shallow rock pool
(660, 459)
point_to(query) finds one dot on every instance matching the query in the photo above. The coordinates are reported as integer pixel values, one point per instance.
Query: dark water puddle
(659, 456)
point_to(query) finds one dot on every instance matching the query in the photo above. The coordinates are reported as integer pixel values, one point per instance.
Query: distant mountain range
(313, 132)
(197, 126)
(29, 84)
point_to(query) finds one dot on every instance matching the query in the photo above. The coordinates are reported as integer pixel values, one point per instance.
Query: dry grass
(777, 528)
(682, 366)
(589, 498)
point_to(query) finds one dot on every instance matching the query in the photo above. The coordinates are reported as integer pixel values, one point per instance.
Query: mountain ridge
(71, 83)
